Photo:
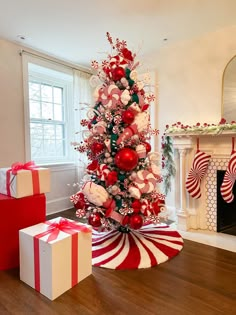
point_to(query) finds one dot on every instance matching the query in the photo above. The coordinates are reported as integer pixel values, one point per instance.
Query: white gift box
(53, 267)
(25, 182)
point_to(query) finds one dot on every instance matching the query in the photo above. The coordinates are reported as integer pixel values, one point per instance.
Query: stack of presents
(53, 255)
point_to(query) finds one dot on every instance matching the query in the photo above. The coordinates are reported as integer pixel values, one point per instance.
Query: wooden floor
(200, 280)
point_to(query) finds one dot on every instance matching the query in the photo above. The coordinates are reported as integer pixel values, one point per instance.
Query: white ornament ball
(133, 175)
(109, 160)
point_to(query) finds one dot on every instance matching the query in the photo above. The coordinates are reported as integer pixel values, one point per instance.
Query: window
(49, 111)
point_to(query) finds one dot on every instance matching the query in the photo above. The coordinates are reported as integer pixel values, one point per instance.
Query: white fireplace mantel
(193, 213)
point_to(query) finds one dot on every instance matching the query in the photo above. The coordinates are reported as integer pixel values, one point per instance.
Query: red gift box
(17, 214)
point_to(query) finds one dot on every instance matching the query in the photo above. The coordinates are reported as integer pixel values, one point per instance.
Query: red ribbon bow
(17, 166)
(63, 225)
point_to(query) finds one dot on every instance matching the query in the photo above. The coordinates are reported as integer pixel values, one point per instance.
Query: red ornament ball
(125, 220)
(97, 147)
(126, 159)
(136, 221)
(118, 73)
(94, 219)
(136, 205)
(127, 116)
(80, 204)
(111, 178)
(147, 146)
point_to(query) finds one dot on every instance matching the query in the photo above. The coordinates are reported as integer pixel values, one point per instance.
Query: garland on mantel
(168, 164)
(201, 128)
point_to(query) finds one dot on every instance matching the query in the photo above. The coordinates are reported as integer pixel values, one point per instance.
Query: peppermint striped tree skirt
(144, 248)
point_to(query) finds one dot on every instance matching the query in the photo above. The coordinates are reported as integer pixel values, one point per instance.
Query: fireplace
(226, 212)
(201, 214)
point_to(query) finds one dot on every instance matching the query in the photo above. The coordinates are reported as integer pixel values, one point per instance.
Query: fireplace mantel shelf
(202, 133)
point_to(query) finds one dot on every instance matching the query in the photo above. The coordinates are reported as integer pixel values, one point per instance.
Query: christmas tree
(120, 190)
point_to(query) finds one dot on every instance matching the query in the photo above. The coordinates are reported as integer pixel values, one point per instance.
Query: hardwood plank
(201, 280)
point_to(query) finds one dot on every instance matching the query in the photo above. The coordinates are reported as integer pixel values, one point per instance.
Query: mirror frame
(222, 86)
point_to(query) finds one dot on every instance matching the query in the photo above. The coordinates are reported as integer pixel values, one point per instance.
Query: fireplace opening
(226, 212)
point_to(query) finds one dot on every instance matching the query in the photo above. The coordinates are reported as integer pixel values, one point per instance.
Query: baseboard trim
(58, 205)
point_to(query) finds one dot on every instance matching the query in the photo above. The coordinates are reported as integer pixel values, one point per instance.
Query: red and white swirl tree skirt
(144, 248)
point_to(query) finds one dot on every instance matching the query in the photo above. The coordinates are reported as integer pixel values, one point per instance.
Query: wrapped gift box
(17, 214)
(55, 255)
(25, 182)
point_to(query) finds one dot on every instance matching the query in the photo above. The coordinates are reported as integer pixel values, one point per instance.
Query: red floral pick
(109, 38)
(93, 166)
(222, 121)
(111, 178)
(127, 54)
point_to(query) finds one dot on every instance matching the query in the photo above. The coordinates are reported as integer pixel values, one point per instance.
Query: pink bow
(17, 166)
(63, 225)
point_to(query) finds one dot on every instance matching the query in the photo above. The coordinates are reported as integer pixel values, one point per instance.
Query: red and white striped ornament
(80, 213)
(102, 171)
(110, 96)
(145, 181)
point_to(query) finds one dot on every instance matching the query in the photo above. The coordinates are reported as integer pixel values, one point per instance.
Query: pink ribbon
(63, 225)
(53, 230)
(17, 166)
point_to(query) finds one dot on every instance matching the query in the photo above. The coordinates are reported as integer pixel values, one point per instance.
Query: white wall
(12, 144)
(190, 80)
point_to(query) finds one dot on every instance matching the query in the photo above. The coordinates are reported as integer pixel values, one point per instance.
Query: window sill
(58, 166)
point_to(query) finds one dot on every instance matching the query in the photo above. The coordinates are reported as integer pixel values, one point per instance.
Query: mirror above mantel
(229, 91)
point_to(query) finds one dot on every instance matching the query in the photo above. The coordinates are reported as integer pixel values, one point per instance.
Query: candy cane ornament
(197, 172)
(229, 177)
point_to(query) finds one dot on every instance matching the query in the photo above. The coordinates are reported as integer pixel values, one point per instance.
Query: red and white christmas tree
(121, 186)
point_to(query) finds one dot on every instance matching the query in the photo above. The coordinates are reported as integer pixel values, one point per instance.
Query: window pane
(36, 140)
(49, 132)
(49, 148)
(57, 93)
(35, 109)
(58, 112)
(37, 148)
(36, 130)
(46, 93)
(47, 111)
(59, 148)
(59, 132)
(34, 91)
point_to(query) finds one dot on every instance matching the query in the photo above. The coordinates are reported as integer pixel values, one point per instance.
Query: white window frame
(69, 117)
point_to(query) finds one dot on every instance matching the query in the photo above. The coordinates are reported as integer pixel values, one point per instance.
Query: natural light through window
(50, 98)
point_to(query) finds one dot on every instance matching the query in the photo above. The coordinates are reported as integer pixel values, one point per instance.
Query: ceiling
(75, 30)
